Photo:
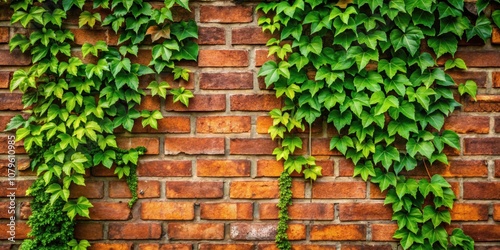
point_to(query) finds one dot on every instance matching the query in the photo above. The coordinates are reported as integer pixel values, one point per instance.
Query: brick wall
(209, 181)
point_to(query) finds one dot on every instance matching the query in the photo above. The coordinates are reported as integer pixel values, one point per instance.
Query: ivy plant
(73, 108)
(364, 67)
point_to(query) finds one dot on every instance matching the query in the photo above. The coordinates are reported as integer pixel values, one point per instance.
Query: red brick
(11, 101)
(91, 36)
(250, 35)
(151, 144)
(346, 168)
(296, 231)
(149, 103)
(263, 146)
(335, 190)
(364, 211)
(192, 189)
(455, 168)
(92, 189)
(497, 124)
(4, 34)
(193, 146)
(151, 246)
(145, 189)
(102, 171)
(20, 188)
(481, 190)
(4, 209)
(223, 168)
(338, 232)
(211, 36)
(483, 232)
(6, 12)
(222, 81)
(4, 120)
(262, 56)
(253, 190)
(134, 231)
(110, 246)
(162, 210)
(223, 124)
(195, 231)
(254, 102)
(496, 79)
(321, 146)
(299, 211)
(19, 145)
(497, 168)
(298, 189)
(241, 246)
(469, 212)
(496, 212)
(21, 230)
(14, 58)
(164, 168)
(383, 232)
(199, 103)
(376, 193)
(484, 103)
(223, 58)
(89, 231)
(226, 14)
(476, 59)
(110, 211)
(461, 76)
(172, 124)
(226, 211)
(4, 81)
(468, 124)
(143, 57)
(482, 146)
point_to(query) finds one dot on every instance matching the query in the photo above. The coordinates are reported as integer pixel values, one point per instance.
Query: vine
(361, 64)
(73, 108)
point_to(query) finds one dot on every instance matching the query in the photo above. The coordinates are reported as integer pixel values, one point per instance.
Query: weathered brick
(6, 12)
(104, 210)
(250, 35)
(4, 209)
(162, 210)
(383, 232)
(172, 124)
(152, 144)
(223, 168)
(21, 230)
(253, 190)
(252, 231)
(223, 124)
(211, 36)
(151, 246)
(461, 76)
(164, 168)
(348, 190)
(496, 79)
(481, 190)
(20, 188)
(482, 146)
(469, 212)
(223, 58)
(145, 189)
(103, 171)
(19, 145)
(296, 231)
(111, 246)
(262, 146)
(4, 34)
(14, 58)
(254, 102)
(497, 168)
(192, 146)
(476, 59)
(4, 80)
(143, 57)
(11, 101)
(226, 14)
(134, 231)
(91, 36)
(376, 193)
(483, 232)
(216, 102)
(495, 36)
(92, 189)
(262, 56)
(298, 211)
(4, 120)
(455, 168)
(364, 211)
(226, 211)
(338, 232)
(468, 124)
(484, 103)
(194, 189)
(89, 231)
(240, 246)
(195, 231)
(231, 80)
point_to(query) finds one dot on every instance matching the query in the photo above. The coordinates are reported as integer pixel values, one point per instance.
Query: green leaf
(184, 30)
(455, 63)
(292, 142)
(410, 186)
(78, 207)
(435, 234)
(468, 87)
(391, 68)
(436, 216)
(373, 4)
(371, 39)
(410, 220)
(340, 119)
(443, 44)
(451, 139)
(158, 88)
(20, 41)
(341, 143)
(362, 57)
(385, 155)
(385, 180)
(88, 18)
(298, 61)
(365, 170)
(406, 162)
(482, 29)
(312, 172)
(409, 40)
(183, 95)
(371, 82)
(458, 238)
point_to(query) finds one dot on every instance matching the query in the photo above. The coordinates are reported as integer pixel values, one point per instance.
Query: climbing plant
(74, 105)
(370, 68)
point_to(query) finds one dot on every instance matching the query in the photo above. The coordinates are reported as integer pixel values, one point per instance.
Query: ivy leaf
(386, 156)
(79, 207)
(422, 96)
(19, 41)
(362, 57)
(455, 63)
(451, 139)
(436, 216)
(341, 143)
(409, 220)
(468, 87)
(420, 4)
(482, 29)
(184, 30)
(373, 4)
(406, 162)
(272, 71)
(455, 25)
(88, 18)
(183, 95)
(340, 119)
(385, 180)
(409, 40)
(312, 172)
(423, 17)
(298, 61)
(158, 32)
(67, 4)
(75, 245)
(391, 68)
(435, 234)
(458, 238)
(365, 170)
(57, 192)
(408, 238)
(292, 142)
(371, 39)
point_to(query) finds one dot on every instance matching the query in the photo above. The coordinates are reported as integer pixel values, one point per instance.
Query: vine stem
(427, 170)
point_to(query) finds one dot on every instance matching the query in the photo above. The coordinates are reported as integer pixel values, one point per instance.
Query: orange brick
(110, 246)
(223, 124)
(261, 102)
(299, 211)
(482, 146)
(163, 168)
(250, 35)
(152, 145)
(223, 168)
(495, 36)
(455, 168)
(21, 230)
(145, 189)
(364, 211)
(4, 209)
(4, 34)
(195, 231)
(376, 193)
(259, 146)
(92, 189)
(102, 171)
(226, 211)
(481, 190)
(170, 124)
(4, 83)
(194, 189)
(468, 124)
(335, 190)
(261, 57)
(19, 146)
(215, 102)
(253, 190)
(104, 210)
(496, 79)
(226, 14)
(89, 231)
(211, 36)
(193, 146)
(223, 58)
(151, 246)
(496, 212)
(483, 232)
(484, 103)
(338, 232)
(231, 80)
(162, 210)
(469, 212)
(321, 146)
(134, 231)
(263, 124)
(383, 232)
